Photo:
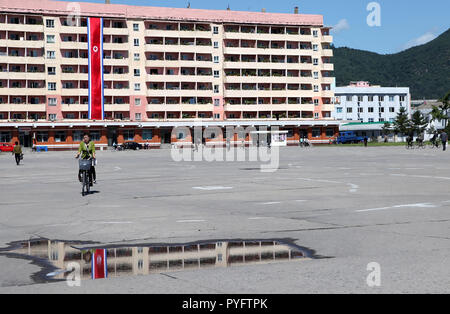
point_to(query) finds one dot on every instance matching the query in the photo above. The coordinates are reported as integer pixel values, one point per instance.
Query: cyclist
(87, 151)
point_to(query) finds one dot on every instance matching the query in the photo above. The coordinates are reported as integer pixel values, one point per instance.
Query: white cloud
(421, 40)
(341, 26)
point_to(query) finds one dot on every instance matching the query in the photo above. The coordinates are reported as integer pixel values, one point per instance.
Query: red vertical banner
(99, 264)
(95, 51)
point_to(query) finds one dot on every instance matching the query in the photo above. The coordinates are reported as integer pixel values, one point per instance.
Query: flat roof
(371, 90)
(159, 13)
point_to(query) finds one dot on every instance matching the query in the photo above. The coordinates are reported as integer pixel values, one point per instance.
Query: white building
(361, 102)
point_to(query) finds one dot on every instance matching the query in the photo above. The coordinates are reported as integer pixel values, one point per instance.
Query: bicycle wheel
(86, 188)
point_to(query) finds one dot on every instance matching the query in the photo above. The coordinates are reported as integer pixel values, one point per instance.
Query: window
(50, 23)
(329, 132)
(216, 102)
(391, 98)
(5, 137)
(316, 115)
(147, 135)
(137, 116)
(402, 98)
(380, 98)
(52, 102)
(77, 136)
(51, 86)
(316, 75)
(339, 109)
(316, 88)
(51, 70)
(52, 116)
(60, 136)
(50, 55)
(135, 27)
(181, 135)
(391, 109)
(315, 47)
(216, 30)
(216, 59)
(361, 110)
(128, 135)
(50, 39)
(136, 42)
(349, 98)
(216, 89)
(316, 33)
(216, 74)
(137, 102)
(316, 61)
(95, 136)
(137, 57)
(370, 109)
(42, 136)
(316, 132)
(349, 110)
(216, 44)
(316, 102)
(371, 120)
(360, 98)
(137, 87)
(137, 72)
(370, 98)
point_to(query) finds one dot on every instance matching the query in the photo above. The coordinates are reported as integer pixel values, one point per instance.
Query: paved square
(352, 205)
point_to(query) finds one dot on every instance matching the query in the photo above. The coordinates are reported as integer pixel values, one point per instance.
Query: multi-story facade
(361, 102)
(367, 107)
(163, 68)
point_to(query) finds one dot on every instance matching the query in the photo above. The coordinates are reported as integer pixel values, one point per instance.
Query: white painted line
(353, 187)
(419, 205)
(270, 203)
(212, 188)
(192, 220)
(300, 200)
(113, 222)
(259, 218)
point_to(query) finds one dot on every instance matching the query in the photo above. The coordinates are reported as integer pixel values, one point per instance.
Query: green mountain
(425, 69)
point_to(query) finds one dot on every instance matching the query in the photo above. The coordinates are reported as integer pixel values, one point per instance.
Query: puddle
(110, 261)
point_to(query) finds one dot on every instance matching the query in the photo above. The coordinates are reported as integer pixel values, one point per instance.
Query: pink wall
(127, 11)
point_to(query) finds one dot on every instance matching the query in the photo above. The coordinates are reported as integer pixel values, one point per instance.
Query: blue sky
(404, 23)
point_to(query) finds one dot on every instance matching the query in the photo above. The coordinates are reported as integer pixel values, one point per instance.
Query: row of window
(361, 109)
(371, 98)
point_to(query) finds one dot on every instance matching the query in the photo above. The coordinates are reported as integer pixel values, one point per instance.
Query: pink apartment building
(163, 68)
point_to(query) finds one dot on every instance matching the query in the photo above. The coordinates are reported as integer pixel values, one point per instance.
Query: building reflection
(144, 260)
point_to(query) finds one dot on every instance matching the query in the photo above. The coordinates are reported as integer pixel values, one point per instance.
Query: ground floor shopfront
(67, 136)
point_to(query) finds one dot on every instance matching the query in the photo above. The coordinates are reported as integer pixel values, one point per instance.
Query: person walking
(444, 139)
(17, 152)
(366, 140)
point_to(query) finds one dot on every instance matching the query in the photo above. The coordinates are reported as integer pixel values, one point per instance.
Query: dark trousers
(17, 156)
(444, 145)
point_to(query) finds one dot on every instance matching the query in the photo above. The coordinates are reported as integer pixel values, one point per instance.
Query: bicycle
(86, 176)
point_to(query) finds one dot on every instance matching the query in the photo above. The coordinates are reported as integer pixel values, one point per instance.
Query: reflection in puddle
(107, 261)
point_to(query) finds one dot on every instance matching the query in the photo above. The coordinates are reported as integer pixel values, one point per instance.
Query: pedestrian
(17, 152)
(365, 141)
(444, 139)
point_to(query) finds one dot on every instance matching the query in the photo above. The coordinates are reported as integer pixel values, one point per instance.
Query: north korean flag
(99, 264)
(95, 51)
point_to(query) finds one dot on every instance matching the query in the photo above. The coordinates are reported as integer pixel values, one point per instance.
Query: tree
(402, 124)
(386, 130)
(441, 112)
(419, 122)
